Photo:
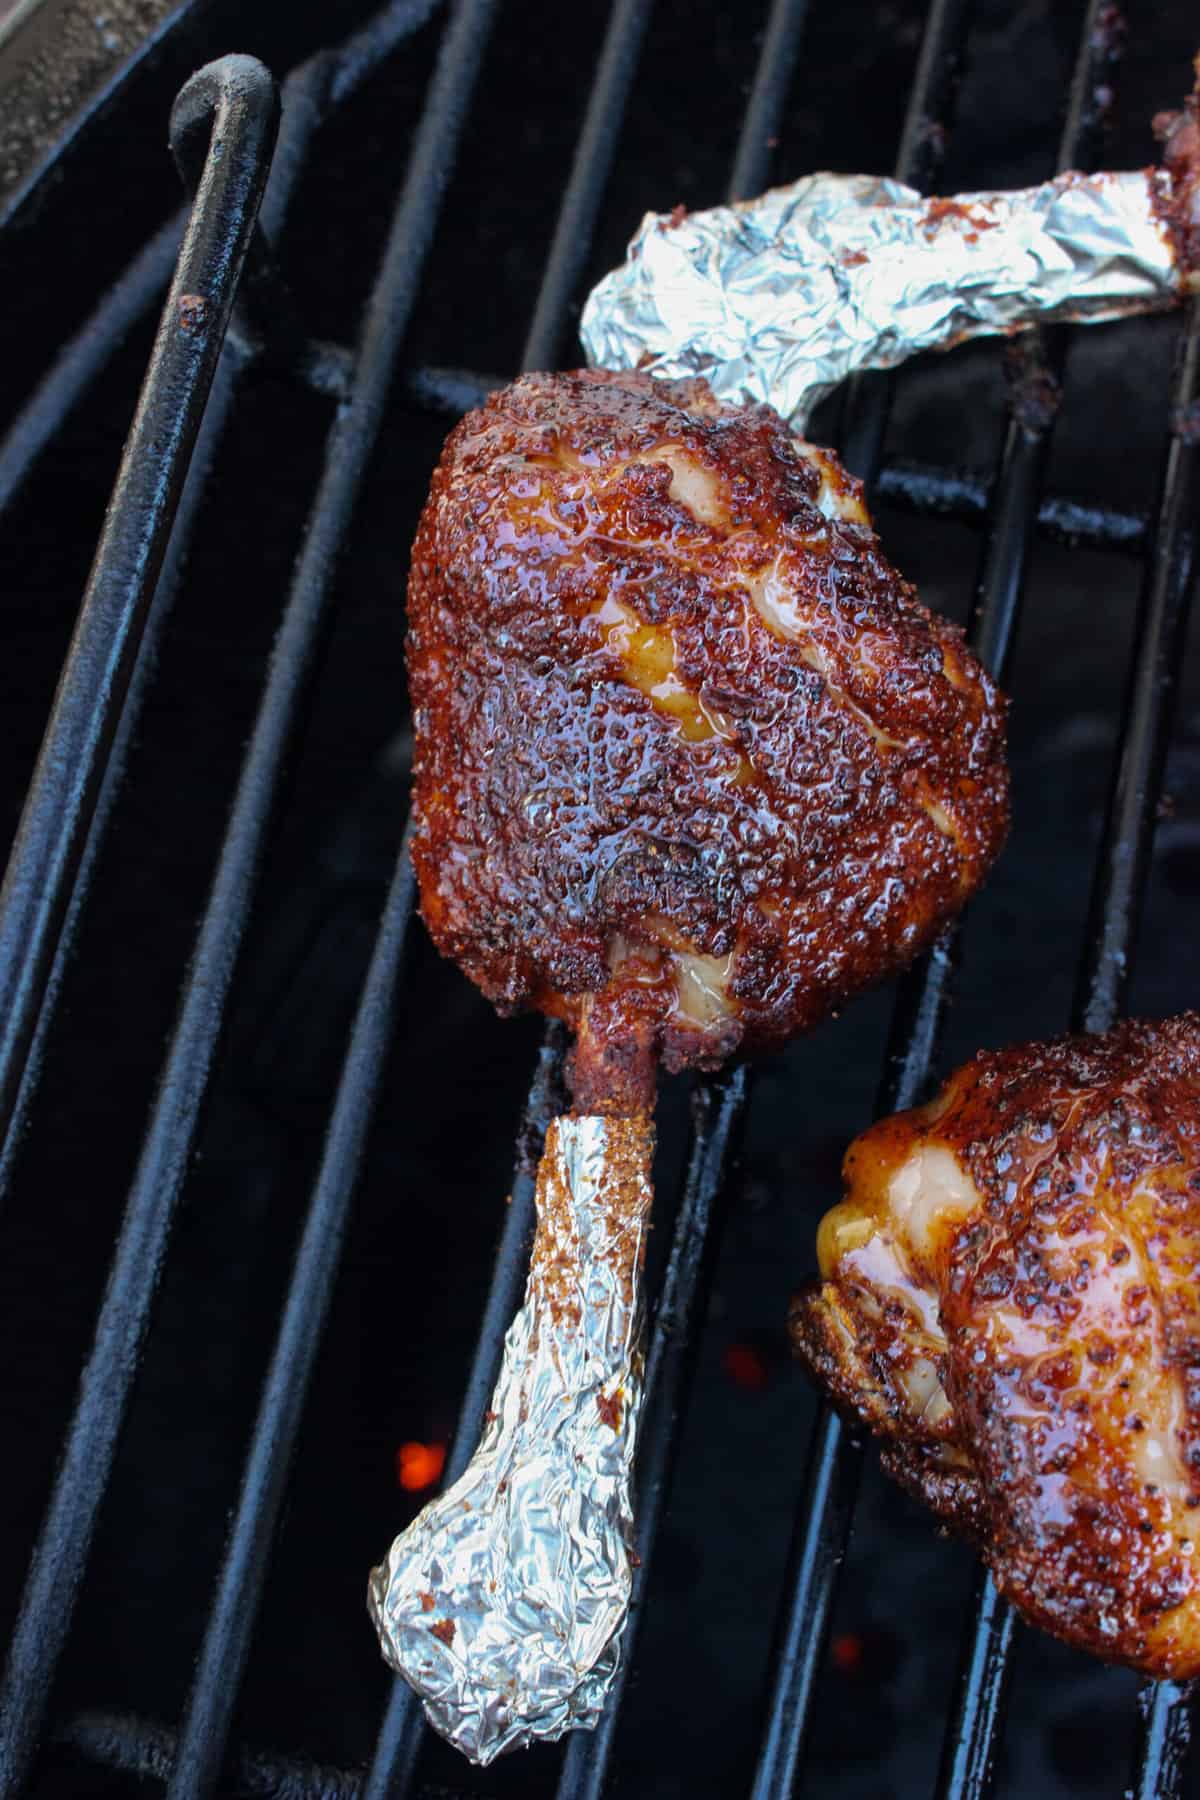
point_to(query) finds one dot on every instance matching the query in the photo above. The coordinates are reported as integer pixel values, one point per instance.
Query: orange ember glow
(847, 1652)
(746, 1366)
(418, 1466)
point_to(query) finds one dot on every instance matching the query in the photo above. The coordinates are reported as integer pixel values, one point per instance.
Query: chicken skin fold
(1010, 1300)
(693, 763)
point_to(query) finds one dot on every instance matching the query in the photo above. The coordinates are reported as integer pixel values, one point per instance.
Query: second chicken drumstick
(1009, 1301)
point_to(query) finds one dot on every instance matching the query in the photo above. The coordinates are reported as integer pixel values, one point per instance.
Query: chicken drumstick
(693, 765)
(1011, 1301)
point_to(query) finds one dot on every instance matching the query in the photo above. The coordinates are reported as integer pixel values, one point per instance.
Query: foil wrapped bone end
(504, 1601)
(779, 299)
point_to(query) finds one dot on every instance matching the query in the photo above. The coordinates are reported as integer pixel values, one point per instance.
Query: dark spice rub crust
(1011, 1301)
(693, 763)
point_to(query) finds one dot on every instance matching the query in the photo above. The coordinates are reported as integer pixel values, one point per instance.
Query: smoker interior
(417, 1261)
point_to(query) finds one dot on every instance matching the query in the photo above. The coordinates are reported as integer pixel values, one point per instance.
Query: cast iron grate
(223, 133)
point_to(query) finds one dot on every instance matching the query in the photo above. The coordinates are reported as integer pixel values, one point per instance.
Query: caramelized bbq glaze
(1011, 1300)
(693, 764)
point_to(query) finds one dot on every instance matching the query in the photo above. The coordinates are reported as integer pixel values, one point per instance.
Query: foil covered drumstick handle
(504, 1602)
(781, 298)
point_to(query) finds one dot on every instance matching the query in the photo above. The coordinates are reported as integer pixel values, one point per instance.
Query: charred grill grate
(233, 102)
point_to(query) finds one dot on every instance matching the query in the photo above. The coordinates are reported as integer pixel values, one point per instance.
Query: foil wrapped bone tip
(504, 1601)
(779, 299)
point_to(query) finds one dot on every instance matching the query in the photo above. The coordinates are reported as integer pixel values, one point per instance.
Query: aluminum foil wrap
(780, 298)
(504, 1602)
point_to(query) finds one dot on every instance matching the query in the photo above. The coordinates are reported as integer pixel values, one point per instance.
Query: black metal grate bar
(216, 415)
(1167, 1707)
(764, 109)
(147, 1750)
(817, 1549)
(972, 1737)
(364, 51)
(985, 1671)
(1160, 1762)
(966, 496)
(866, 402)
(586, 183)
(240, 103)
(205, 1727)
(826, 1510)
(81, 360)
(1162, 620)
(61, 1553)
(546, 1101)
(827, 1507)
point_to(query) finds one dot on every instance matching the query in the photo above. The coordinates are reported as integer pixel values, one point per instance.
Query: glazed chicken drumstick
(1011, 1302)
(693, 765)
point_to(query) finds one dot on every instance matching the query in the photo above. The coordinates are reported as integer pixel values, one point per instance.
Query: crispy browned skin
(693, 763)
(1011, 1300)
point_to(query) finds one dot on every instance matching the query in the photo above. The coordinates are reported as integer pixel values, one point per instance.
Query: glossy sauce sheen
(693, 764)
(1011, 1299)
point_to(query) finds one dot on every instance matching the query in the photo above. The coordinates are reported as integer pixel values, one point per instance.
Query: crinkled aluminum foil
(780, 298)
(504, 1602)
